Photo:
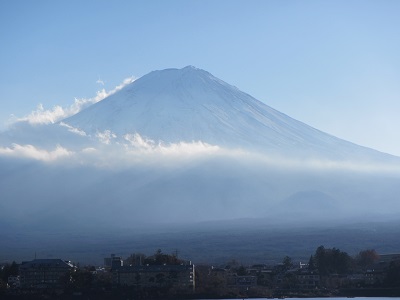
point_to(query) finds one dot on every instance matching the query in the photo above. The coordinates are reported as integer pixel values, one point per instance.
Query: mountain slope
(190, 104)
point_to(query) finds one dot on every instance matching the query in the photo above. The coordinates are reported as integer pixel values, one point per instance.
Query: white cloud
(134, 149)
(315, 164)
(30, 151)
(42, 116)
(139, 143)
(89, 150)
(99, 81)
(106, 136)
(148, 146)
(57, 113)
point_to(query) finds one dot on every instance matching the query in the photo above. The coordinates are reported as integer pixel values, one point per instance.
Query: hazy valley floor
(247, 241)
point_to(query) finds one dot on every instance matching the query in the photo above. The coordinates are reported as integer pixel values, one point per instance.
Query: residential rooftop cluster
(328, 272)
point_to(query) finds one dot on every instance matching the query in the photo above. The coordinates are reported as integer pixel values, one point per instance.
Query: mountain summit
(190, 104)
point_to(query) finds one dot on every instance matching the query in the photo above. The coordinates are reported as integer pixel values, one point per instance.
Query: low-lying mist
(171, 188)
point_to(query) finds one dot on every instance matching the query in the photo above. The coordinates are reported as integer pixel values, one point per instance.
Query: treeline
(336, 269)
(158, 258)
(333, 261)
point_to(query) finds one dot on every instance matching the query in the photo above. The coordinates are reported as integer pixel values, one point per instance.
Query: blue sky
(334, 65)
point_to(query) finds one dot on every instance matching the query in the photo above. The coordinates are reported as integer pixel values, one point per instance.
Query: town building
(244, 281)
(44, 273)
(181, 277)
(307, 280)
(374, 276)
(388, 258)
(13, 282)
(113, 262)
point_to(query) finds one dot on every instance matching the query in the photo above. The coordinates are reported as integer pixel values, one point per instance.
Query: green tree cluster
(331, 261)
(367, 258)
(158, 258)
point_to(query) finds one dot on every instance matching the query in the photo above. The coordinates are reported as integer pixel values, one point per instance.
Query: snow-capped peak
(190, 104)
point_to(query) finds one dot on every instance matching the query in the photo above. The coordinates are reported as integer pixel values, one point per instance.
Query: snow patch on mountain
(73, 130)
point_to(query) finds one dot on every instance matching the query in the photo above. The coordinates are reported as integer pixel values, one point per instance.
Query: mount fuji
(190, 104)
(182, 146)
